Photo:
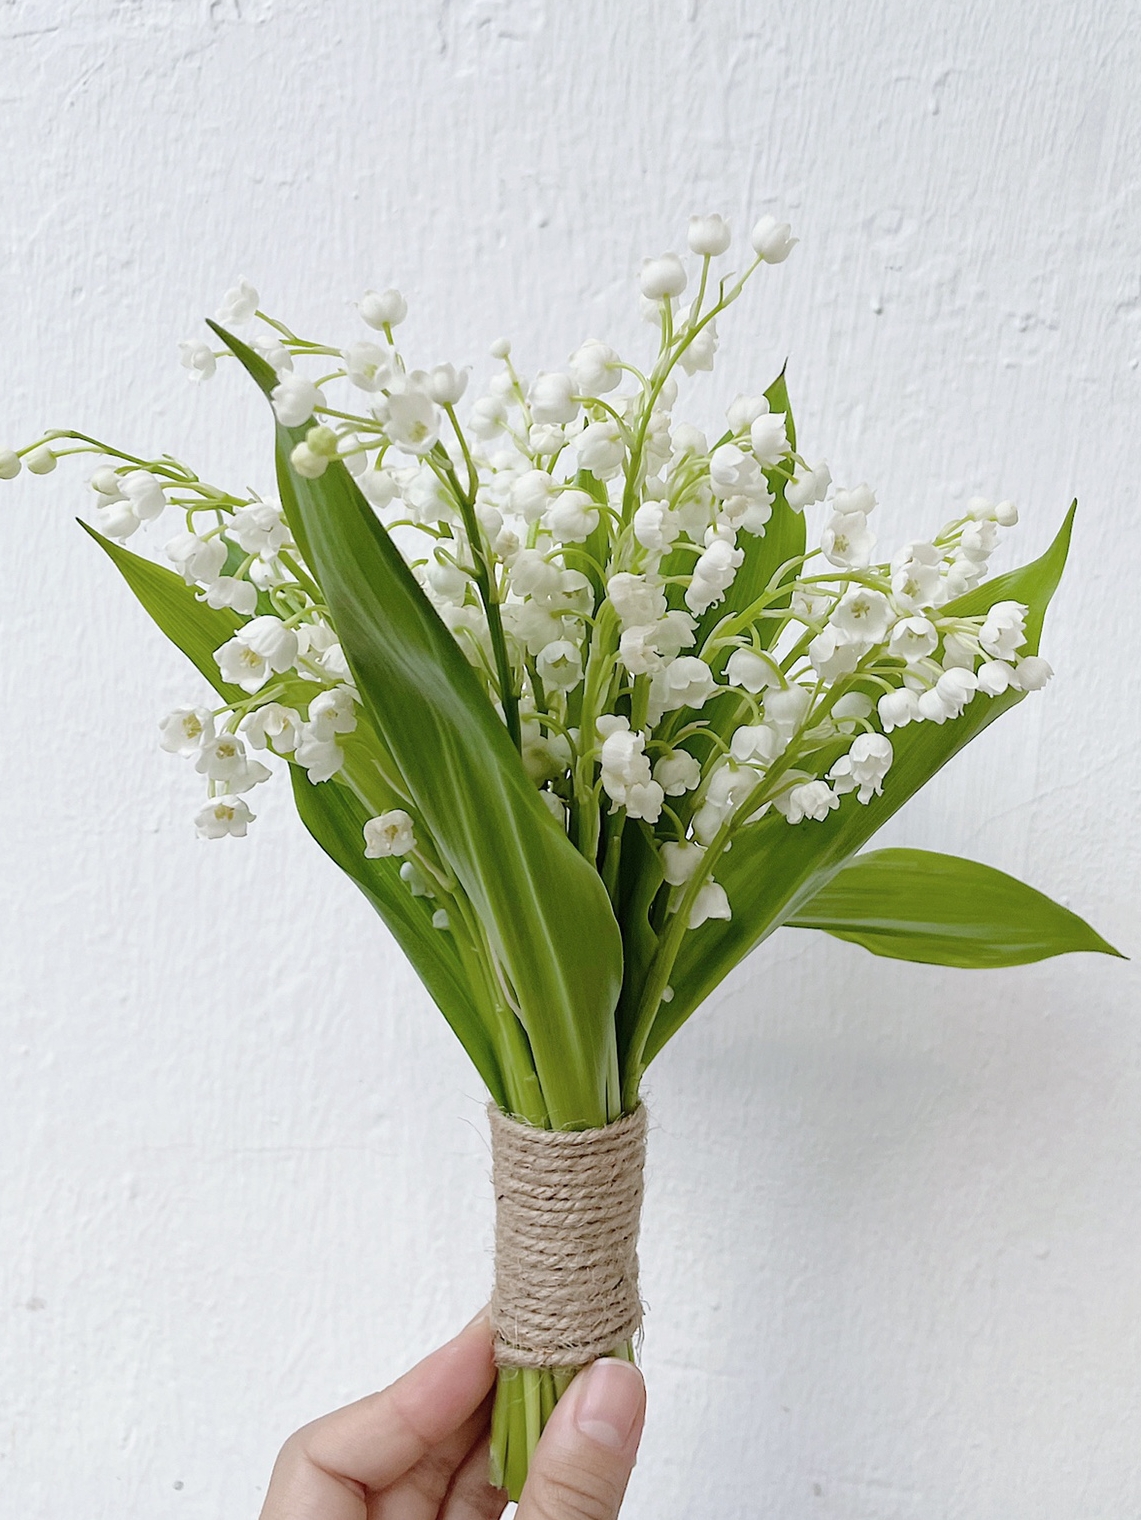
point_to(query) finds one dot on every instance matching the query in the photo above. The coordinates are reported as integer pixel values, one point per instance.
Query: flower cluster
(587, 550)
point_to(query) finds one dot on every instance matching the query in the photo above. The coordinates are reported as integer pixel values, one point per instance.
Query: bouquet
(564, 685)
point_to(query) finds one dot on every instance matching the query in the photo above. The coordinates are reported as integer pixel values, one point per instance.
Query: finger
(419, 1493)
(326, 1469)
(583, 1461)
(471, 1496)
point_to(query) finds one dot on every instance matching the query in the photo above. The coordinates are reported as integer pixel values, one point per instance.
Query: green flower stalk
(561, 685)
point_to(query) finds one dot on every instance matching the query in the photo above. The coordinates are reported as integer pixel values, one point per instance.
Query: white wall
(893, 1229)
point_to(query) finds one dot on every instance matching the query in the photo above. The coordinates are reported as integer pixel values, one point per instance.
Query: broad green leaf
(198, 630)
(774, 868)
(336, 819)
(543, 908)
(916, 905)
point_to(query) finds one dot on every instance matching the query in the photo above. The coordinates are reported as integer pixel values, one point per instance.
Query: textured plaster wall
(893, 1232)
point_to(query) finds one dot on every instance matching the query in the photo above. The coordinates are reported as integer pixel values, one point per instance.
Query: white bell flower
(757, 744)
(10, 465)
(680, 861)
(1032, 672)
(321, 757)
(978, 541)
(196, 559)
(389, 834)
(660, 278)
(223, 758)
(229, 591)
(595, 368)
(833, 654)
(488, 417)
(950, 694)
(144, 491)
(238, 305)
(272, 350)
(699, 353)
(410, 418)
(915, 585)
(813, 800)
(898, 708)
(709, 235)
(655, 526)
(223, 816)
(772, 240)
(960, 650)
(808, 486)
(687, 682)
(732, 472)
(787, 707)
(560, 665)
(1004, 631)
(635, 598)
(446, 384)
(545, 438)
(752, 670)
(863, 616)
(677, 773)
(185, 730)
(530, 494)
(272, 726)
(269, 637)
(572, 516)
(117, 519)
(198, 358)
(730, 787)
(743, 411)
(711, 902)
(258, 528)
(847, 541)
(294, 400)
(368, 366)
(644, 800)
(600, 449)
(863, 767)
(333, 712)
(912, 639)
(769, 438)
(859, 498)
(553, 399)
(995, 677)
(377, 486)
(713, 575)
(386, 308)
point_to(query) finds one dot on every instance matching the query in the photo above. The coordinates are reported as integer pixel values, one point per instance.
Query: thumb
(582, 1463)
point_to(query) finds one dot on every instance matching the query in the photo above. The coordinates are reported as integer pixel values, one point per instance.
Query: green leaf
(336, 820)
(774, 868)
(198, 630)
(542, 906)
(916, 905)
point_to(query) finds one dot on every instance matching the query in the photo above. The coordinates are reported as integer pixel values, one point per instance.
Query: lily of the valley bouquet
(563, 682)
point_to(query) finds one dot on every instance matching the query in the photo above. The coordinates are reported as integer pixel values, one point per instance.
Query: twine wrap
(568, 1205)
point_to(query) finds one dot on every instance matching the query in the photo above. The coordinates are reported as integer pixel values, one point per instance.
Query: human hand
(419, 1449)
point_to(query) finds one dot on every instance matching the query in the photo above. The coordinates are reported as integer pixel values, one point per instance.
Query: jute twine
(568, 1204)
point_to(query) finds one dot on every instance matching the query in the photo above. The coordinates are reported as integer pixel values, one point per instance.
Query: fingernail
(609, 1401)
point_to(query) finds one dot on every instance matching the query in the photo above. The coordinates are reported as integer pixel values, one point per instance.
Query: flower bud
(41, 461)
(772, 240)
(385, 309)
(322, 440)
(500, 349)
(309, 465)
(9, 464)
(662, 277)
(709, 235)
(552, 398)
